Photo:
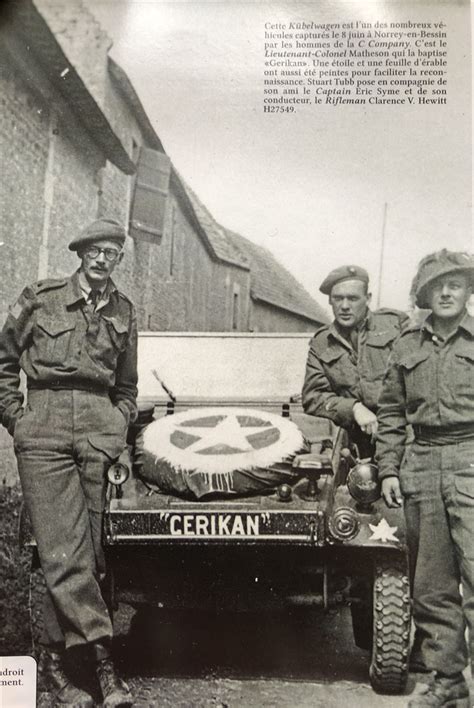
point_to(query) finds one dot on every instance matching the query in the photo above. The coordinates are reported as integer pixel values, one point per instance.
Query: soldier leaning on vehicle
(347, 359)
(76, 341)
(430, 385)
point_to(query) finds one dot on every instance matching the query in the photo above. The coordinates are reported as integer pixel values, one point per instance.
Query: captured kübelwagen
(229, 482)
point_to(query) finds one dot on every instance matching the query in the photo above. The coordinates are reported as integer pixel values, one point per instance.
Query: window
(235, 311)
(150, 196)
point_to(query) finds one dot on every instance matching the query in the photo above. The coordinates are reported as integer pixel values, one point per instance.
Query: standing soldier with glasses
(76, 341)
(430, 385)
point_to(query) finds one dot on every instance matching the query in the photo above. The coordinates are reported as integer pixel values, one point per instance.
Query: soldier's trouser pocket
(64, 488)
(431, 504)
(69, 552)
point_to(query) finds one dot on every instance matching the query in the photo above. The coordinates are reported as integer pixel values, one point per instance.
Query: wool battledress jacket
(429, 385)
(54, 338)
(339, 375)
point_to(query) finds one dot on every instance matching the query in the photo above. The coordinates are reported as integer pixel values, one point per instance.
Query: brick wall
(175, 284)
(82, 39)
(50, 171)
(55, 180)
(24, 151)
(75, 171)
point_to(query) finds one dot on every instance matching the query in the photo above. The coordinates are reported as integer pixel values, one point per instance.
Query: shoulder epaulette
(124, 297)
(321, 329)
(410, 328)
(49, 284)
(390, 311)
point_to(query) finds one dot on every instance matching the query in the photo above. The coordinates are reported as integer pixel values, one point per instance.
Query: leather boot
(115, 692)
(443, 692)
(417, 663)
(58, 684)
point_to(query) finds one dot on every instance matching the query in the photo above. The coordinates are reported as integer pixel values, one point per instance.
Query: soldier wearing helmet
(75, 340)
(429, 385)
(347, 359)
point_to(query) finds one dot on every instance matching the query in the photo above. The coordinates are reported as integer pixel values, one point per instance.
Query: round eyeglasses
(110, 253)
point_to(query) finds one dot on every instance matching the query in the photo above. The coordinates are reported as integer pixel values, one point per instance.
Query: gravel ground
(279, 659)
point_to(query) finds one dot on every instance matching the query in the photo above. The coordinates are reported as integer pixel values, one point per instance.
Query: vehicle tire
(362, 615)
(391, 627)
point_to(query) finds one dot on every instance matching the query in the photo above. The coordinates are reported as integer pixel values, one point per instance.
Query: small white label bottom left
(17, 682)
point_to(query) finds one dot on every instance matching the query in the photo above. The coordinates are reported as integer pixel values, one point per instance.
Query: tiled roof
(222, 246)
(272, 283)
(25, 20)
(128, 90)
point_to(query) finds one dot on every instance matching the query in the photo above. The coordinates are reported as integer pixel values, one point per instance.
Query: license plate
(194, 525)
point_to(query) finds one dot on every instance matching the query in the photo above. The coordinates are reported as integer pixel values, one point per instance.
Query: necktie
(94, 296)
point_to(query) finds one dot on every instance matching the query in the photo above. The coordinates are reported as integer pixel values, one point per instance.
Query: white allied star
(227, 432)
(383, 532)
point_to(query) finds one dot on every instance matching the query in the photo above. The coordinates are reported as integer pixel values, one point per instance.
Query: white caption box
(17, 682)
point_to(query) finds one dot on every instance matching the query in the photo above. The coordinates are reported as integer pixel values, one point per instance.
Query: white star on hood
(227, 432)
(383, 532)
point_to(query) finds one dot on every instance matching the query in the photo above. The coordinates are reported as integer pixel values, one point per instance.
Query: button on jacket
(430, 385)
(339, 374)
(60, 342)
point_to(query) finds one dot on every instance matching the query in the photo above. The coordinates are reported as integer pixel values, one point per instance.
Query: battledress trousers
(62, 462)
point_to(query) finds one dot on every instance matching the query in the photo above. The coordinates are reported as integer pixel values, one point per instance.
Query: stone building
(76, 143)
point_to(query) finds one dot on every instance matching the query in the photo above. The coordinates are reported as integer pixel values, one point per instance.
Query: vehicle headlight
(344, 524)
(363, 483)
(118, 473)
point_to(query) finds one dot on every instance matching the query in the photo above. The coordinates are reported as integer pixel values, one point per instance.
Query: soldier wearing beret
(347, 359)
(75, 340)
(430, 386)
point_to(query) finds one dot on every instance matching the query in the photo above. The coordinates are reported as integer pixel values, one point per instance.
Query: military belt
(438, 435)
(66, 386)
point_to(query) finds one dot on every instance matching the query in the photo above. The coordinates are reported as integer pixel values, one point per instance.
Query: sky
(311, 186)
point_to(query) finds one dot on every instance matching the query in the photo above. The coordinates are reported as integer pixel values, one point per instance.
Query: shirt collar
(466, 324)
(86, 288)
(79, 288)
(367, 323)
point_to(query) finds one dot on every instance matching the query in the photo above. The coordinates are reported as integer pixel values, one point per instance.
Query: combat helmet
(433, 266)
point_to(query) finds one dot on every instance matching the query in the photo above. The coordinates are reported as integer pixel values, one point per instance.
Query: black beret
(347, 272)
(100, 229)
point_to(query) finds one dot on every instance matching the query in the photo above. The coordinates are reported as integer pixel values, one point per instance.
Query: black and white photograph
(236, 354)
